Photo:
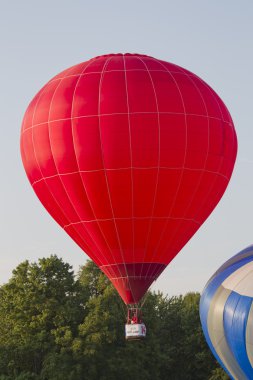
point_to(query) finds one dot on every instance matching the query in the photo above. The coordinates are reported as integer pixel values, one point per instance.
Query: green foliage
(219, 374)
(56, 327)
(39, 311)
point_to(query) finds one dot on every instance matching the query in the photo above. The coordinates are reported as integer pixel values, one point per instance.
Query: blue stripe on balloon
(245, 250)
(246, 253)
(241, 253)
(212, 287)
(235, 318)
(239, 257)
(209, 293)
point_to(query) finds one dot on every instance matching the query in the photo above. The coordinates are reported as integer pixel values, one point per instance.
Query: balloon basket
(135, 329)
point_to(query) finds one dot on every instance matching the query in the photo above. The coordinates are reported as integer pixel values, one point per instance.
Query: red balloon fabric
(129, 154)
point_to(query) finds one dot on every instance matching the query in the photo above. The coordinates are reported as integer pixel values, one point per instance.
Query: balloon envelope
(129, 154)
(226, 312)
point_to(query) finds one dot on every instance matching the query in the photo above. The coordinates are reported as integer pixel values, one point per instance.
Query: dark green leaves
(54, 326)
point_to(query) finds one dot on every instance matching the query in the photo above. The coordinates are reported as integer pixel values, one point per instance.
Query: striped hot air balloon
(226, 313)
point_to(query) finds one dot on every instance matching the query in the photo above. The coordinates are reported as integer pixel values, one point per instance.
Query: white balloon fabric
(226, 313)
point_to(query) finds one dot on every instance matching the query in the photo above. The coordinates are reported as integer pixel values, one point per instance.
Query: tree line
(58, 326)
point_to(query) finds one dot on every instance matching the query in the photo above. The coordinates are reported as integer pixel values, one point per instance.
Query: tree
(54, 326)
(39, 313)
(219, 374)
(175, 347)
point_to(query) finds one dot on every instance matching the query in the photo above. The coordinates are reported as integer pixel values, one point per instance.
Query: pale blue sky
(214, 39)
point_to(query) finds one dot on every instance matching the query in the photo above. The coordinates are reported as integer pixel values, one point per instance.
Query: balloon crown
(121, 54)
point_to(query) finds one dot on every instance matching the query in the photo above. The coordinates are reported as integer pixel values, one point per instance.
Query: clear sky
(213, 39)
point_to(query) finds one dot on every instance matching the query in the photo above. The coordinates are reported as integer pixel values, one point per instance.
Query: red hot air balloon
(130, 155)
